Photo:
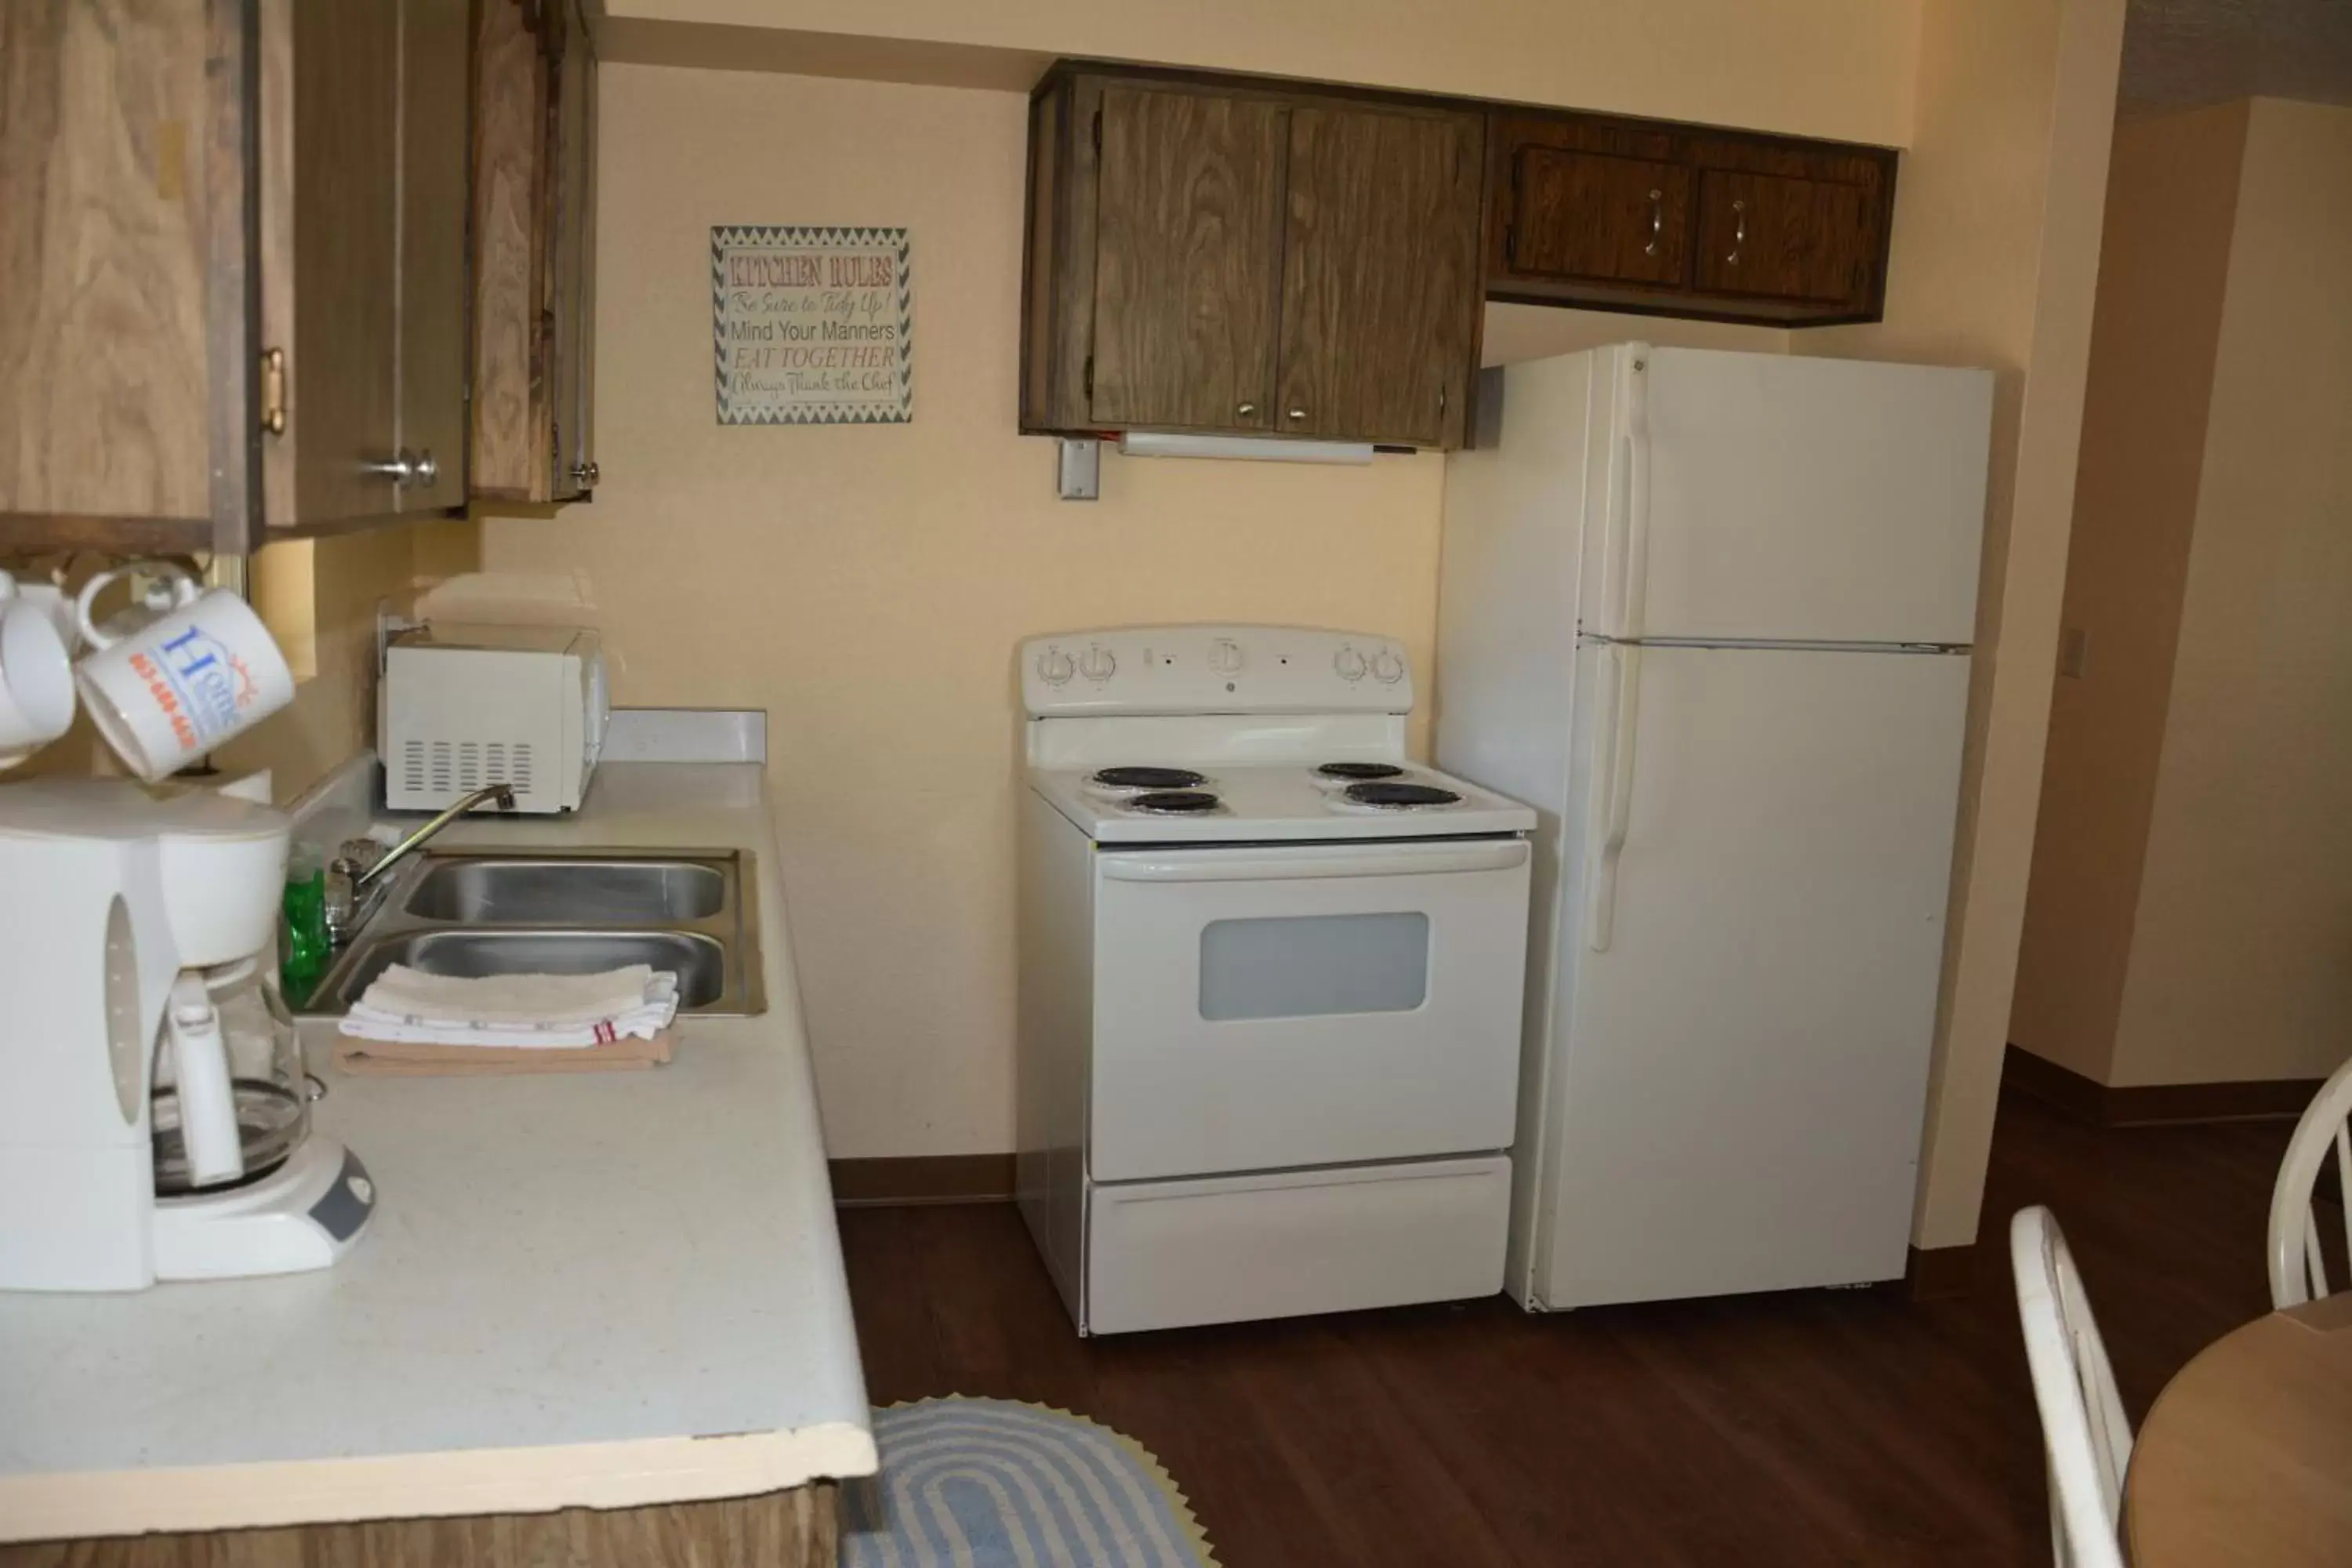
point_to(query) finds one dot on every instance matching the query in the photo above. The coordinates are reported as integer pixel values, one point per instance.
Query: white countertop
(602, 1289)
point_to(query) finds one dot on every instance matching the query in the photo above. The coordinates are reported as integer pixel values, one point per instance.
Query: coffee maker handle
(207, 1102)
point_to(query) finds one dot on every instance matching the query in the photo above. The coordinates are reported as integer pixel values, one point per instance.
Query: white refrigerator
(1711, 613)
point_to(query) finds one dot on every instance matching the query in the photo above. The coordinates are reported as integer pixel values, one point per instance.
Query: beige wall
(1515, 332)
(2172, 199)
(1995, 263)
(1820, 67)
(867, 584)
(2242, 952)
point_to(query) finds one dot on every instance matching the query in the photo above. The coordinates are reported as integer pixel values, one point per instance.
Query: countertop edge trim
(433, 1485)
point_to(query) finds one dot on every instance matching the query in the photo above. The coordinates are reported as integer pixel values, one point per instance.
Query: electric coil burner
(1357, 772)
(1173, 801)
(1386, 797)
(1147, 778)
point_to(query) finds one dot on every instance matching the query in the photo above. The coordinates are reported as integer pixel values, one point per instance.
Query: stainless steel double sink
(490, 912)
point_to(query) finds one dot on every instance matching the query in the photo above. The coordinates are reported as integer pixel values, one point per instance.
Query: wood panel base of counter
(796, 1529)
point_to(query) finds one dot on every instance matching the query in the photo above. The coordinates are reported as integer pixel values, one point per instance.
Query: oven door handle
(1386, 860)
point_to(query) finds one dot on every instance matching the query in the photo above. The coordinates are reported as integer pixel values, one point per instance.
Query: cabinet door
(1785, 239)
(339, 216)
(433, 197)
(1188, 230)
(565, 308)
(1588, 215)
(1380, 279)
(511, 445)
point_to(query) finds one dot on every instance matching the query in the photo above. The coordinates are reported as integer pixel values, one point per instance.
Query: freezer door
(1750, 944)
(1783, 499)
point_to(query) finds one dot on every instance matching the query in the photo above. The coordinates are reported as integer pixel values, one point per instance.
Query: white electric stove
(1271, 979)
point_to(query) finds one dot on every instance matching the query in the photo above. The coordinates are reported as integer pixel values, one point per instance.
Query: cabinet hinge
(1090, 376)
(273, 391)
(1098, 133)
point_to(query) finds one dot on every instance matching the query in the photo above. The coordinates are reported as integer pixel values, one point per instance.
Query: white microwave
(466, 706)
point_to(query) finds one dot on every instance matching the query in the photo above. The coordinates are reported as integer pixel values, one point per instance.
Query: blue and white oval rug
(990, 1483)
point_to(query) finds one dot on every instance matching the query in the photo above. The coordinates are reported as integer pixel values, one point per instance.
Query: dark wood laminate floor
(1810, 1427)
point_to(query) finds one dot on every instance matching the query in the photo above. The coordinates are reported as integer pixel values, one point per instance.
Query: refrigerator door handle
(1612, 808)
(1625, 561)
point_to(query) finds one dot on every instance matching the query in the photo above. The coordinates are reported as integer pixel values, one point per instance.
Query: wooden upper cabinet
(433, 351)
(1783, 238)
(534, 198)
(1188, 223)
(1598, 215)
(1380, 288)
(571, 291)
(1248, 259)
(362, 272)
(105, 416)
(1625, 215)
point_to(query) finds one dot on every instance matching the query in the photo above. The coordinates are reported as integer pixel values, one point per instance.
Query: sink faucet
(354, 888)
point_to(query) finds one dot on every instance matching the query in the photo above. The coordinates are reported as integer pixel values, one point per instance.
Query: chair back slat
(2086, 1438)
(2298, 1264)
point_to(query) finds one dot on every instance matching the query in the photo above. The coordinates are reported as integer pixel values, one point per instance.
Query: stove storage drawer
(1228, 1250)
(1273, 1006)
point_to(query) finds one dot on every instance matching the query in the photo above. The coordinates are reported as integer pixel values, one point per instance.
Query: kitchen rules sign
(812, 326)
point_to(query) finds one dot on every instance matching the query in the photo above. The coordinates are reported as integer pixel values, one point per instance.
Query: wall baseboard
(2155, 1104)
(1940, 1273)
(922, 1179)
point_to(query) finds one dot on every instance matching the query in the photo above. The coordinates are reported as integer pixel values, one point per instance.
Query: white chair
(2086, 1437)
(2297, 1273)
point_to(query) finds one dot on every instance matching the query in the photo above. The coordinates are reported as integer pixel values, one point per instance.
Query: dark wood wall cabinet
(1238, 255)
(534, 252)
(1620, 215)
(233, 305)
(1237, 258)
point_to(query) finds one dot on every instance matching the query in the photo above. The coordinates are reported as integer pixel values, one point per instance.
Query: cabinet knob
(424, 469)
(1298, 414)
(1739, 232)
(1657, 222)
(1246, 409)
(585, 474)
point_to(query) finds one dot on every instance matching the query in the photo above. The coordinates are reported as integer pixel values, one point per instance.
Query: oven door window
(1305, 966)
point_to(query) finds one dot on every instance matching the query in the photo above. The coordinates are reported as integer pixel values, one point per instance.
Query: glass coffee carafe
(265, 1075)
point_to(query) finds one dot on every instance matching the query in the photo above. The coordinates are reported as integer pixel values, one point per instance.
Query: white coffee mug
(165, 691)
(37, 684)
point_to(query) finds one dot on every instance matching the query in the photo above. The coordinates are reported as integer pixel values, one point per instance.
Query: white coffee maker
(126, 917)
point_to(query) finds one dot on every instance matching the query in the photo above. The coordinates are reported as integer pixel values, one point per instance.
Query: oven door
(1259, 1007)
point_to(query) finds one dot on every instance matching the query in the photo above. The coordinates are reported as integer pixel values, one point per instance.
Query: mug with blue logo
(167, 686)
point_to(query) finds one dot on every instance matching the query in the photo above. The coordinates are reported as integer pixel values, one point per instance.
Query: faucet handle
(361, 853)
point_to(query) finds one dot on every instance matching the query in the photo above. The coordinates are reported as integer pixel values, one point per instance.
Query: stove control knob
(1349, 663)
(1226, 656)
(1054, 667)
(1387, 668)
(1096, 664)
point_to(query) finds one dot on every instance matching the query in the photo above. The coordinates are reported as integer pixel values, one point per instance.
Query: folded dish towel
(518, 1012)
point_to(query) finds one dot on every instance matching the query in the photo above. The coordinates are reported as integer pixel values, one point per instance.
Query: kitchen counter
(609, 1289)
